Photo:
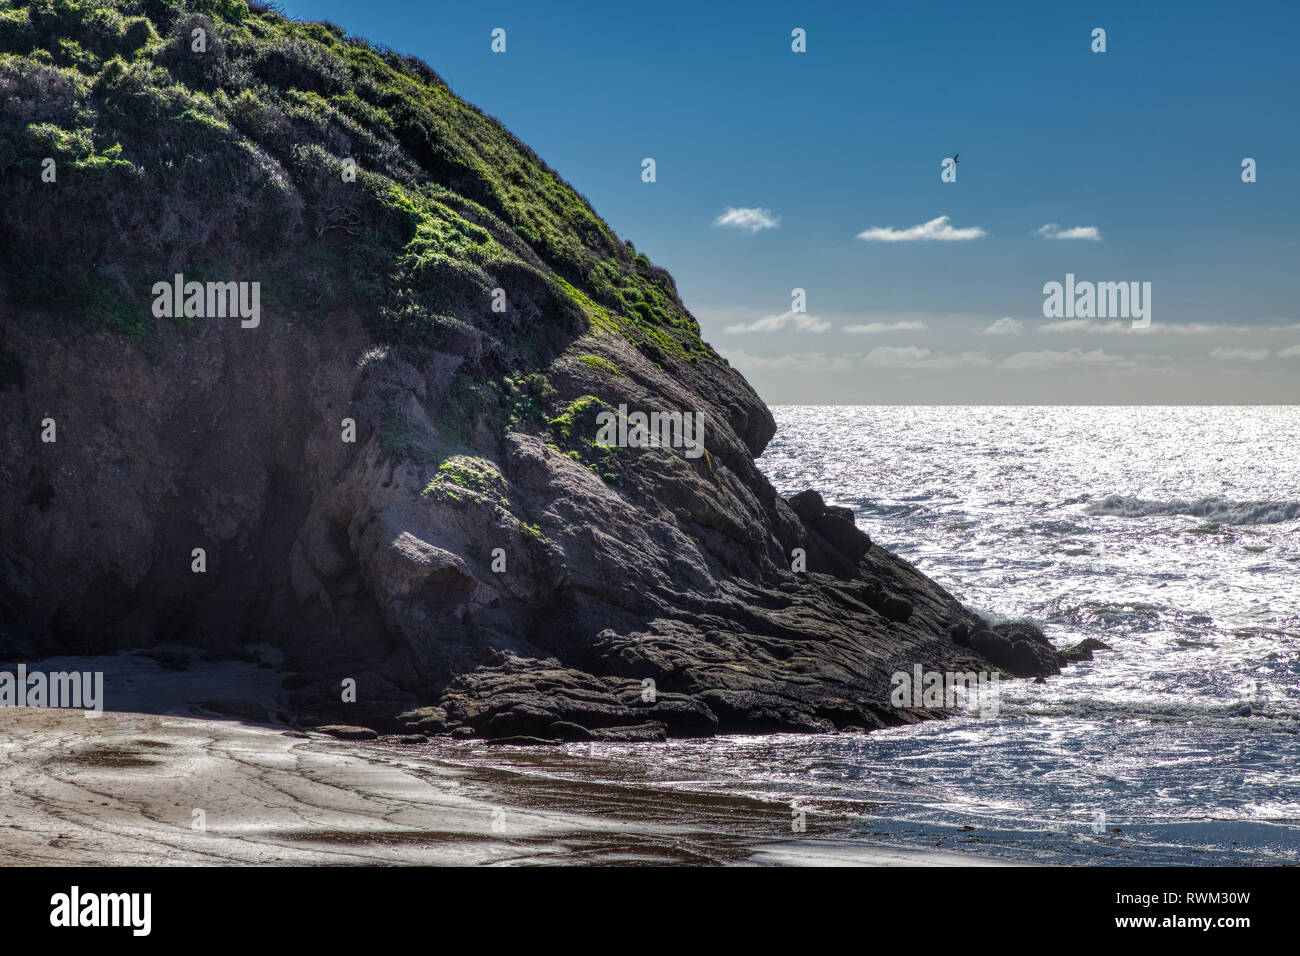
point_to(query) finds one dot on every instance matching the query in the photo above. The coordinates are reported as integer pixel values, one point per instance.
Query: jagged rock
(425, 720)
(808, 505)
(742, 711)
(522, 720)
(684, 718)
(1032, 654)
(895, 608)
(1023, 630)
(887, 604)
(993, 646)
(1031, 659)
(1021, 653)
(835, 523)
(1083, 650)
(564, 730)
(840, 532)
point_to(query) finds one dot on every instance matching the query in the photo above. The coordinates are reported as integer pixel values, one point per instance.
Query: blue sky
(1140, 146)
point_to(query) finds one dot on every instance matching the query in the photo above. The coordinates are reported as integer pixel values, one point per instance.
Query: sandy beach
(162, 784)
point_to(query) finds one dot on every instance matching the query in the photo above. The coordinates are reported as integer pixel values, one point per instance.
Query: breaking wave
(1212, 509)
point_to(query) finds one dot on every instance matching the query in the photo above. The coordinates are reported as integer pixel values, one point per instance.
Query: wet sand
(153, 787)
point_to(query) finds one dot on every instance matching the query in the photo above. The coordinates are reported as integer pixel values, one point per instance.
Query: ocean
(1170, 533)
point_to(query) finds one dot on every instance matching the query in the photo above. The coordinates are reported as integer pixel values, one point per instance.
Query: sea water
(1170, 533)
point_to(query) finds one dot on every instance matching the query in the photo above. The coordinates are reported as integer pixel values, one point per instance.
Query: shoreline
(133, 789)
(163, 784)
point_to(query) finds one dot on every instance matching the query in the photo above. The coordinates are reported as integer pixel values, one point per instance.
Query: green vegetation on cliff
(220, 137)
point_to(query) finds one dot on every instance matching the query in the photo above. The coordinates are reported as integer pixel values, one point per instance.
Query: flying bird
(954, 159)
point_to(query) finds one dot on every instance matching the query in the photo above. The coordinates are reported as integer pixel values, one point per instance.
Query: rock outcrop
(395, 473)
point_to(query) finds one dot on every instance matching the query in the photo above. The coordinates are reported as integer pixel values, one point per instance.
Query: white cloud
(1086, 325)
(802, 362)
(1195, 328)
(914, 356)
(755, 220)
(1292, 352)
(1246, 355)
(1005, 326)
(1181, 328)
(870, 328)
(803, 322)
(1053, 230)
(934, 229)
(1047, 358)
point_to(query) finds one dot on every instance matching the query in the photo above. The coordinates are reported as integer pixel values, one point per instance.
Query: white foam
(1219, 510)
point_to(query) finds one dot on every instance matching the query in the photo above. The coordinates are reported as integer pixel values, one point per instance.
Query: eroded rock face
(663, 598)
(471, 560)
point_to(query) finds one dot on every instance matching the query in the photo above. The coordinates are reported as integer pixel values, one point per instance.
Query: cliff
(384, 457)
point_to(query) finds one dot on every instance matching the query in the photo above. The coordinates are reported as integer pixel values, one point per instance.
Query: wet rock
(1031, 659)
(1023, 631)
(739, 711)
(649, 732)
(994, 647)
(684, 718)
(1083, 650)
(569, 732)
(1022, 653)
(425, 720)
(524, 741)
(522, 720)
(347, 732)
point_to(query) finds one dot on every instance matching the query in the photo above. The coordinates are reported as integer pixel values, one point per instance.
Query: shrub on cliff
(220, 137)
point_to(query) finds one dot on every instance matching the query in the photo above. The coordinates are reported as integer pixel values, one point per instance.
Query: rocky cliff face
(392, 469)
